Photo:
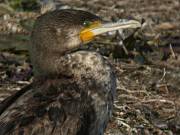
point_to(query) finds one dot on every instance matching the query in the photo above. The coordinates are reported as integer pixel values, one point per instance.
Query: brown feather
(72, 93)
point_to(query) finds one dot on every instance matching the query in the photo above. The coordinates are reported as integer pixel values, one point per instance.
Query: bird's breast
(91, 69)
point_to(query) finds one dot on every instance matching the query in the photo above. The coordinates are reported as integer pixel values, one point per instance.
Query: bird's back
(61, 109)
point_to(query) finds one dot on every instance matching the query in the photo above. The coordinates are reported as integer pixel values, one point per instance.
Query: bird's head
(64, 30)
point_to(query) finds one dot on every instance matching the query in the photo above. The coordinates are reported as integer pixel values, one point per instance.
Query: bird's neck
(82, 66)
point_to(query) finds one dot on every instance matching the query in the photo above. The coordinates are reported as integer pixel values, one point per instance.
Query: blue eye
(86, 23)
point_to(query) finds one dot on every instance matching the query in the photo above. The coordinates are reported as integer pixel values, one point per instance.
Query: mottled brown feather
(72, 93)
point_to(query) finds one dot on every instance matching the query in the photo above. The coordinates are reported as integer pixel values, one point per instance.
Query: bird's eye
(86, 23)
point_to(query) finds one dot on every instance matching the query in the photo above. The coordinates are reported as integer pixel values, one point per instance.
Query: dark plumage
(73, 91)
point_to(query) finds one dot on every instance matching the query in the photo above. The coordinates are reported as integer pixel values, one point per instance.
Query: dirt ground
(148, 79)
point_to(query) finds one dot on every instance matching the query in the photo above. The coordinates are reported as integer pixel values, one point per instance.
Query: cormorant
(73, 91)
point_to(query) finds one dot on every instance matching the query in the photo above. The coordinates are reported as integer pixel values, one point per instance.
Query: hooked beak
(98, 28)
